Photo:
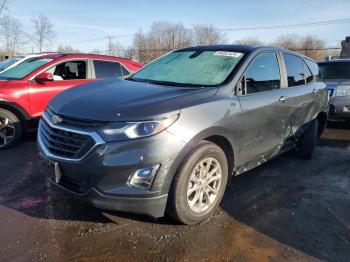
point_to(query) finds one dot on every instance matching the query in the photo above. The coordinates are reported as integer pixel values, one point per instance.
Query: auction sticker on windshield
(226, 53)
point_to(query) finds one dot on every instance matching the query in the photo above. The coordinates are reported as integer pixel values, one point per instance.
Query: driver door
(265, 111)
(64, 75)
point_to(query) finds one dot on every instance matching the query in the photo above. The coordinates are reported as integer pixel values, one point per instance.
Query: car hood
(123, 100)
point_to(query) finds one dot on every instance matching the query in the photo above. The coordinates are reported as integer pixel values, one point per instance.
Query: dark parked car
(169, 136)
(336, 74)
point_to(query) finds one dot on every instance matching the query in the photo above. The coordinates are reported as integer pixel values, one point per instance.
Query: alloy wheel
(204, 185)
(7, 131)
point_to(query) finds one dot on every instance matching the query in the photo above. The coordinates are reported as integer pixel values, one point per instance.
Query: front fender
(13, 106)
(203, 135)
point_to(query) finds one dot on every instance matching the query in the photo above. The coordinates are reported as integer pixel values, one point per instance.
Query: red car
(26, 88)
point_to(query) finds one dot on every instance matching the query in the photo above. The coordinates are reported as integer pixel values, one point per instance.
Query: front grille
(73, 121)
(64, 143)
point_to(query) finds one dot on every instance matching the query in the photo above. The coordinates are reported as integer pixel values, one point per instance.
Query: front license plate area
(51, 170)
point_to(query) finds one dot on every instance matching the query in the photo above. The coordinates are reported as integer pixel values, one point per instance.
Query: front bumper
(101, 177)
(151, 206)
(339, 108)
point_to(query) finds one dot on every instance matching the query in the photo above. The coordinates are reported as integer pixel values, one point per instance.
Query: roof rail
(331, 58)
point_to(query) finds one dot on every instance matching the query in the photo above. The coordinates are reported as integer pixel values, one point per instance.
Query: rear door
(65, 75)
(302, 91)
(265, 115)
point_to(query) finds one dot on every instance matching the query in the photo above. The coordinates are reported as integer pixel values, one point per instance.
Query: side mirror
(241, 86)
(44, 77)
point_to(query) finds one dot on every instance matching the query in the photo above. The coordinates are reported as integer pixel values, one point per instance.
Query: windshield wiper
(166, 83)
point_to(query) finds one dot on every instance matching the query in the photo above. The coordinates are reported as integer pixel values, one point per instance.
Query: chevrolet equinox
(168, 137)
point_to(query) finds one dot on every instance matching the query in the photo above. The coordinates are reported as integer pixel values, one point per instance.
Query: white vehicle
(15, 60)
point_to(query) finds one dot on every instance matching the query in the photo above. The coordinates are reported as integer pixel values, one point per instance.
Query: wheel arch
(217, 135)
(322, 118)
(18, 111)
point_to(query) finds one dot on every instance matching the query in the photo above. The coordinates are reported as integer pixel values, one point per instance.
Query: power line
(318, 23)
(172, 30)
(99, 38)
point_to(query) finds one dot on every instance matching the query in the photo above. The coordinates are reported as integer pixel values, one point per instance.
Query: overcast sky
(77, 20)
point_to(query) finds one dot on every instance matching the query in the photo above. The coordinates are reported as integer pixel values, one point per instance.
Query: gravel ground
(286, 210)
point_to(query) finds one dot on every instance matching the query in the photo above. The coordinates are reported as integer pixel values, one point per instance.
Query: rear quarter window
(313, 67)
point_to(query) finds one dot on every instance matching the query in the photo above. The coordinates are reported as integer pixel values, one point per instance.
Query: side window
(295, 70)
(307, 74)
(106, 69)
(69, 70)
(125, 72)
(263, 73)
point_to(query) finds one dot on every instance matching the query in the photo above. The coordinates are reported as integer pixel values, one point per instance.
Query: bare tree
(67, 49)
(115, 49)
(130, 53)
(313, 47)
(11, 32)
(43, 31)
(96, 51)
(3, 5)
(288, 41)
(309, 45)
(208, 35)
(249, 41)
(162, 37)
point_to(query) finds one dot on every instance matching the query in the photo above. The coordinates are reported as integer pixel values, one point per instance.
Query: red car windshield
(25, 68)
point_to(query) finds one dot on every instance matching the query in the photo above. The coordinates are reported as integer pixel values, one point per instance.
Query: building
(345, 47)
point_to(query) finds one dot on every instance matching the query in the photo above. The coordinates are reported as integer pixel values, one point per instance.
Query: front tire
(199, 184)
(307, 142)
(10, 129)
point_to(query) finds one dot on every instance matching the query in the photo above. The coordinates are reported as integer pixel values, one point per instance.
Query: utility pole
(110, 44)
(173, 31)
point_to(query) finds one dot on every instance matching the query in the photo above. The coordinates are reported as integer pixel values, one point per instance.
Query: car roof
(240, 48)
(55, 55)
(338, 60)
(229, 48)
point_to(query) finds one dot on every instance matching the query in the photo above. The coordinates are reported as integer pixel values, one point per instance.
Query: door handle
(283, 99)
(315, 91)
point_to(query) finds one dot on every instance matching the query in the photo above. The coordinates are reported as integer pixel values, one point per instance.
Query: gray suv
(336, 74)
(169, 137)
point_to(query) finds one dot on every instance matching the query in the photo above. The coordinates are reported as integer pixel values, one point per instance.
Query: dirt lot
(288, 209)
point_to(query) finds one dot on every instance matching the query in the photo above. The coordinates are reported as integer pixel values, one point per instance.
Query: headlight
(132, 130)
(343, 91)
(149, 128)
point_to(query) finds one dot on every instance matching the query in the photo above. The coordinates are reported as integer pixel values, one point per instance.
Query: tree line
(161, 38)
(14, 38)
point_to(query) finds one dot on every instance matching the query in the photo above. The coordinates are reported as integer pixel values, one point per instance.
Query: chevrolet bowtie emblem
(56, 119)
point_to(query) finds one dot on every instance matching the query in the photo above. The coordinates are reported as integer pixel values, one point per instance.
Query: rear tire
(10, 129)
(199, 184)
(307, 142)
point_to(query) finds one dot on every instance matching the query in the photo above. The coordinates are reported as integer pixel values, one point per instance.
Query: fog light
(144, 177)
